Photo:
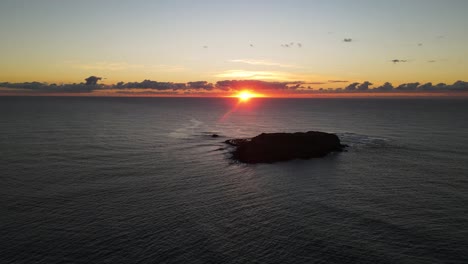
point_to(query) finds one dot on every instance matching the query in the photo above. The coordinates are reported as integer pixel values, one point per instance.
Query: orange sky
(313, 42)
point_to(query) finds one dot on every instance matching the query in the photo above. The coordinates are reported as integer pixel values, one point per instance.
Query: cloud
(361, 87)
(337, 81)
(364, 86)
(459, 86)
(386, 87)
(291, 45)
(352, 87)
(348, 40)
(441, 86)
(92, 80)
(152, 85)
(200, 85)
(256, 85)
(314, 83)
(204, 87)
(408, 86)
(426, 87)
(45, 87)
(398, 61)
(263, 63)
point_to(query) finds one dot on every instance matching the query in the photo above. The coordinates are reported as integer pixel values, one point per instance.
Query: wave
(353, 139)
(187, 130)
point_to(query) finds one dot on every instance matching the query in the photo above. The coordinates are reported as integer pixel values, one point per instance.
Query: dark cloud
(291, 45)
(92, 80)
(441, 86)
(432, 61)
(386, 87)
(166, 86)
(352, 87)
(200, 85)
(233, 85)
(426, 87)
(251, 45)
(152, 85)
(407, 87)
(420, 44)
(25, 85)
(398, 61)
(337, 81)
(358, 87)
(256, 85)
(62, 88)
(314, 83)
(348, 40)
(459, 86)
(364, 86)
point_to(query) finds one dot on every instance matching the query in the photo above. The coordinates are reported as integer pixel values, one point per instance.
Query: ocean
(141, 180)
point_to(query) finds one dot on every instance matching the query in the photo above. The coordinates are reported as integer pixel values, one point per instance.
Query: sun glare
(245, 96)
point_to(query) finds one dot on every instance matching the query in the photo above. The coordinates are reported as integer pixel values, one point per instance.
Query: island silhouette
(275, 147)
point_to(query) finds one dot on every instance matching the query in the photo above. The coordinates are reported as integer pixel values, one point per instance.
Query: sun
(245, 96)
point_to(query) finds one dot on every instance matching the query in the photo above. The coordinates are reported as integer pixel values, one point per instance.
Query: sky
(312, 42)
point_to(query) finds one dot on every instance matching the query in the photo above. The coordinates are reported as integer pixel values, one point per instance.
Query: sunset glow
(246, 95)
(304, 57)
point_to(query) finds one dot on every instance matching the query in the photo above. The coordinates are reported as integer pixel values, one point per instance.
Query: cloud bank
(227, 86)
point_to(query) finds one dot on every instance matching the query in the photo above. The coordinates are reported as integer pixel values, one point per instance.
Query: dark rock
(274, 147)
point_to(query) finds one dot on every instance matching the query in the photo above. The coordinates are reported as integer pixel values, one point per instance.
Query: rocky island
(274, 147)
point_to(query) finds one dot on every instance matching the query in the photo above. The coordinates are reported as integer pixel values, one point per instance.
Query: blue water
(140, 180)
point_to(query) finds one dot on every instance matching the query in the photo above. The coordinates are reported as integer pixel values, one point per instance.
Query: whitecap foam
(353, 139)
(189, 129)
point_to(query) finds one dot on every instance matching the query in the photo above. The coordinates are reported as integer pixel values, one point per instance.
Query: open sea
(141, 180)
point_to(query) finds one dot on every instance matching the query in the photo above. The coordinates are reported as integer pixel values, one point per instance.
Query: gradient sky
(66, 41)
